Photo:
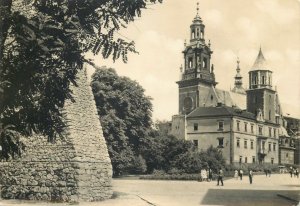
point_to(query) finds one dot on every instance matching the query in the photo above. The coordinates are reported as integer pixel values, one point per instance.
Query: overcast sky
(234, 27)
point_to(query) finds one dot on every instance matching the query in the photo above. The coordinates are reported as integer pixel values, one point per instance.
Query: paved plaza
(277, 190)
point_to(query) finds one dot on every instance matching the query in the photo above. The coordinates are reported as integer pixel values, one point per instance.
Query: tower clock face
(187, 103)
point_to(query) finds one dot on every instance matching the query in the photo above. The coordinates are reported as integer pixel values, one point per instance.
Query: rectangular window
(195, 126)
(274, 146)
(241, 159)
(246, 159)
(246, 125)
(260, 130)
(251, 144)
(253, 159)
(269, 147)
(221, 125)
(263, 145)
(195, 143)
(252, 131)
(238, 143)
(245, 144)
(274, 132)
(238, 125)
(272, 160)
(221, 142)
(270, 132)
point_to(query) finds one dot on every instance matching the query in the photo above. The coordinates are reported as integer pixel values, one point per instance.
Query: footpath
(277, 190)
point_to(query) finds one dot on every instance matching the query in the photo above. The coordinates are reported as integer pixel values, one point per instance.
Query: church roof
(239, 97)
(220, 111)
(260, 62)
(224, 97)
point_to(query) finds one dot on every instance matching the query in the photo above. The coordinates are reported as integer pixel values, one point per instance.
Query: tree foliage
(42, 47)
(163, 152)
(125, 115)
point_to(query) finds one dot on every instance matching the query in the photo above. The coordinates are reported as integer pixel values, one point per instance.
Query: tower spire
(238, 65)
(197, 8)
(238, 88)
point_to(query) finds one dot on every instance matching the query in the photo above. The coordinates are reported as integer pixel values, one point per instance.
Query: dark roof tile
(220, 111)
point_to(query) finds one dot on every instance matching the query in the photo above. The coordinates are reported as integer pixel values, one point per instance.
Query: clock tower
(197, 74)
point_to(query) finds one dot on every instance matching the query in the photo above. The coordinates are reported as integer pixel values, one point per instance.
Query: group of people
(268, 172)
(206, 175)
(294, 171)
(239, 174)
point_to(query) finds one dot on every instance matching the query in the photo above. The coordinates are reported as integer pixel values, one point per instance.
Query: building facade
(246, 125)
(291, 141)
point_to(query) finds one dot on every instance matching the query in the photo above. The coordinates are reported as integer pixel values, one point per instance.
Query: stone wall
(76, 168)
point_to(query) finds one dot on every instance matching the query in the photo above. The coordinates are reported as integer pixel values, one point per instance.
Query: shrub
(139, 165)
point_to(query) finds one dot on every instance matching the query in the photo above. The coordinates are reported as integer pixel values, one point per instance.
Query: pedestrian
(241, 174)
(220, 177)
(266, 172)
(291, 171)
(204, 175)
(250, 176)
(200, 177)
(236, 174)
(209, 174)
(297, 172)
(269, 171)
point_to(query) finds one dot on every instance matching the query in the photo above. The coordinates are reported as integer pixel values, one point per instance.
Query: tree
(166, 152)
(42, 47)
(125, 114)
(214, 158)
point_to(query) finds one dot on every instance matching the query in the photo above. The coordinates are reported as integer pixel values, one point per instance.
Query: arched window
(190, 62)
(269, 114)
(263, 79)
(204, 63)
(193, 34)
(198, 33)
(202, 35)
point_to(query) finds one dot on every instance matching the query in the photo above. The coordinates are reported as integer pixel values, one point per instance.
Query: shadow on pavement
(291, 185)
(229, 197)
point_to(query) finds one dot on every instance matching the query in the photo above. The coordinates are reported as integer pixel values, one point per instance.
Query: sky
(235, 28)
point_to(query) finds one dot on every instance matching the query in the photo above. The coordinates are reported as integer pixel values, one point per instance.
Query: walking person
(209, 175)
(297, 172)
(291, 171)
(250, 176)
(266, 172)
(241, 174)
(236, 174)
(269, 171)
(204, 175)
(220, 177)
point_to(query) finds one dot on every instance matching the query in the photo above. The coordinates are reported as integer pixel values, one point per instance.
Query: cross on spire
(238, 65)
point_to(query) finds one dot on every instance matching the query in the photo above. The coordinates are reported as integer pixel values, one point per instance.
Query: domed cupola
(197, 28)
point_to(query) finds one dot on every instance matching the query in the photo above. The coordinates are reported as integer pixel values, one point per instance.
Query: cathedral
(245, 124)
